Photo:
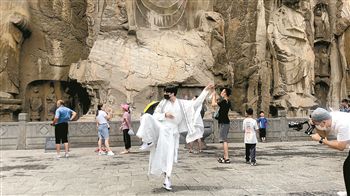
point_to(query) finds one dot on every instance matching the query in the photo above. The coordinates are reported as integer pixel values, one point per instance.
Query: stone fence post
(21, 140)
(283, 122)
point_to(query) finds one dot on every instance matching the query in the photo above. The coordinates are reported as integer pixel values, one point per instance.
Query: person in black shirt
(224, 105)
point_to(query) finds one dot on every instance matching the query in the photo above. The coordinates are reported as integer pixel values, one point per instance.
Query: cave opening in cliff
(41, 97)
(80, 99)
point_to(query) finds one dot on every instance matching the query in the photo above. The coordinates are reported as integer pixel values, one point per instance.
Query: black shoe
(221, 159)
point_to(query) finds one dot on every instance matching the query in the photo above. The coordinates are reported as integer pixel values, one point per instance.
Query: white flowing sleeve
(199, 101)
(158, 113)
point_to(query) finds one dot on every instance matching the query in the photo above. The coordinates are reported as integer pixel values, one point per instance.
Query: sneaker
(167, 184)
(57, 156)
(341, 193)
(66, 155)
(247, 162)
(110, 153)
(101, 153)
(146, 146)
(253, 164)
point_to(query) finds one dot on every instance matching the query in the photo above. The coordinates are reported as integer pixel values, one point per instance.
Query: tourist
(250, 127)
(161, 131)
(344, 106)
(262, 122)
(62, 116)
(102, 118)
(125, 127)
(334, 123)
(224, 105)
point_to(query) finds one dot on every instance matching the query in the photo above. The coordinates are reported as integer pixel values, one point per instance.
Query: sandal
(227, 161)
(221, 159)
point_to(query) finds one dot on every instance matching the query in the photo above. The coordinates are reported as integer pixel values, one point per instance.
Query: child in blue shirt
(262, 122)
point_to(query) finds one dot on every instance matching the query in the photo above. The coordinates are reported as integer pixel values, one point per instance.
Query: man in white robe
(161, 131)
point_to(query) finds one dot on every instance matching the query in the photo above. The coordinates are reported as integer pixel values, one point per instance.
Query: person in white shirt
(161, 131)
(334, 123)
(102, 118)
(250, 127)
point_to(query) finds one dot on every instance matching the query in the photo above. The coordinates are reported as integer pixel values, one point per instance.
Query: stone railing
(32, 135)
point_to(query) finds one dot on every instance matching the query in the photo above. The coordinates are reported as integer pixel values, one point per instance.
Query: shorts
(103, 132)
(223, 130)
(61, 133)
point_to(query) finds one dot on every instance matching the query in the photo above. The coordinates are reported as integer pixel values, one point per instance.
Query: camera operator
(337, 123)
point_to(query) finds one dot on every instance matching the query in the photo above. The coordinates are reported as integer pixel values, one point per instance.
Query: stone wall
(32, 135)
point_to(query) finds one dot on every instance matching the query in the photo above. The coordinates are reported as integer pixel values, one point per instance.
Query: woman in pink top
(125, 127)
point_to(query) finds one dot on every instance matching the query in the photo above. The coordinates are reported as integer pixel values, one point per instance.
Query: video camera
(299, 126)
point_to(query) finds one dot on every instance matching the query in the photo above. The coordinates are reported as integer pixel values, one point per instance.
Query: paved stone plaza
(288, 168)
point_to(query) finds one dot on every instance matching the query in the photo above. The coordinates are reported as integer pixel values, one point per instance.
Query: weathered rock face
(246, 44)
(277, 55)
(282, 64)
(128, 67)
(39, 42)
(292, 59)
(13, 29)
(167, 42)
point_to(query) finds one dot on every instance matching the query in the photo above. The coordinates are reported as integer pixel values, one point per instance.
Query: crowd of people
(160, 131)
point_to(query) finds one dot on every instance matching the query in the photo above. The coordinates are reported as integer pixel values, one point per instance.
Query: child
(262, 126)
(250, 127)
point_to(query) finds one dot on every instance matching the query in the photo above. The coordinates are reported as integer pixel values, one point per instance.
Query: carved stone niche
(35, 100)
(165, 14)
(322, 61)
(321, 22)
(322, 72)
(41, 97)
(321, 92)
